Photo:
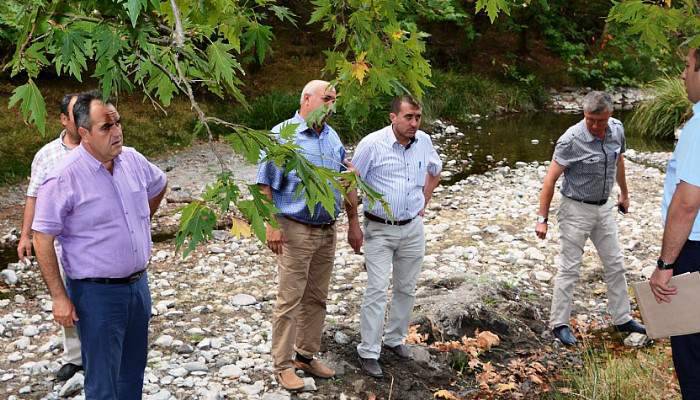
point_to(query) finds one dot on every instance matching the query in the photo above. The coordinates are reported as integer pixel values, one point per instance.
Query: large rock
(230, 371)
(242, 299)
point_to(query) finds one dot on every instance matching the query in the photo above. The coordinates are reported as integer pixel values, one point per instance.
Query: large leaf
(196, 225)
(32, 104)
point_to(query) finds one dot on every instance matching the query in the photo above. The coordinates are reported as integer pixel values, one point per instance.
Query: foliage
(615, 373)
(456, 96)
(659, 116)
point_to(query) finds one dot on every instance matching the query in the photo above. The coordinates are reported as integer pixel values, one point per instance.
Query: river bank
(484, 269)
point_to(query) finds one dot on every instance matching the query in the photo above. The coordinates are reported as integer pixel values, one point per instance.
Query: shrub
(659, 116)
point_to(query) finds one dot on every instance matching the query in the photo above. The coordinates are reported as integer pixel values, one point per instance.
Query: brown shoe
(289, 380)
(316, 368)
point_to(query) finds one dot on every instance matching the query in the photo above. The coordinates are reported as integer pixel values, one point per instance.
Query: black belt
(374, 218)
(327, 225)
(592, 202)
(116, 281)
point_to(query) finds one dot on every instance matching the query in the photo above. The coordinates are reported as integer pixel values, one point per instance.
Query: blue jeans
(113, 330)
(686, 348)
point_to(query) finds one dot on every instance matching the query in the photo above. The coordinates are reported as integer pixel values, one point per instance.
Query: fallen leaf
(536, 379)
(506, 387)
(240, 228)
(414, 337)
(486, 340)
(445, 394)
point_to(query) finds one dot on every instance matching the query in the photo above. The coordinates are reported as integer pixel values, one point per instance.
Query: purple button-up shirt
(101, 219)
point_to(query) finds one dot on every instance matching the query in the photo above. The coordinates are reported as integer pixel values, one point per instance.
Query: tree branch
(179, 34)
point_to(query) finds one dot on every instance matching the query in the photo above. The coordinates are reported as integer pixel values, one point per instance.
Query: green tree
(185, 47)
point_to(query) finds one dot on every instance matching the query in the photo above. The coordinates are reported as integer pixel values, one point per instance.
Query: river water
(518, 137)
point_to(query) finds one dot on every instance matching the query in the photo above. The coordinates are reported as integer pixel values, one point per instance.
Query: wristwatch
(542, 220)
(661, 264)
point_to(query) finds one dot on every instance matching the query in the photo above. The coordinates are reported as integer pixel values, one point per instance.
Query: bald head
(315, 94)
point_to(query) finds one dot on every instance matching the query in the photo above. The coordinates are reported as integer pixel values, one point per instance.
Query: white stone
(161, 395)
(242, 299)
(636, 340)
(341, 338)
(543, 276)
(9, 276)
(72, 386)
(252, 390)
(164, 341)
(309, 385)
(195, 366)
(30, 331)
(230, 371)
(178, 372)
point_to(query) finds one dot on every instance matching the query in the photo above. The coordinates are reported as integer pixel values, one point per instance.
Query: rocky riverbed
(210, 334)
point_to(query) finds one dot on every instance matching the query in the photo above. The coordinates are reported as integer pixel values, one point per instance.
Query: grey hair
(81, 108)
(597, 102)
(312, 86)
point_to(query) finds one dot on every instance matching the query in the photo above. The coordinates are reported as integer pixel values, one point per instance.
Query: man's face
(406, 122)
(691, 77)
(320, 97)
(104, 140)
(597, 123)
(68, 121)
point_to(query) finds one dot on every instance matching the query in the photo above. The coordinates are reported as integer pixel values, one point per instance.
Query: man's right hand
(541, 230)
(355, 236)
(64, 312)
(275, 239)
(24, 247)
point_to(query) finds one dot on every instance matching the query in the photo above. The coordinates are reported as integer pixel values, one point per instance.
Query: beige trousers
(71, 341)
(304, 272)
(578, 222)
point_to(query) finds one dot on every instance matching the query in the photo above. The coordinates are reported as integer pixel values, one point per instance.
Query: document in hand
(679, 317)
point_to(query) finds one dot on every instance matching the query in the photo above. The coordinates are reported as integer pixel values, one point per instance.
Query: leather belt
(374, 218)
(326, 225)
(592, 202)
(116, 281)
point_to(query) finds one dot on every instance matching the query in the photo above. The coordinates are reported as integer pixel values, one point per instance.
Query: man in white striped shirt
(400, 162)
(45, 160)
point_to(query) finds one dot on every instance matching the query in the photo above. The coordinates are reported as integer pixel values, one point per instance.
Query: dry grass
(611, 372)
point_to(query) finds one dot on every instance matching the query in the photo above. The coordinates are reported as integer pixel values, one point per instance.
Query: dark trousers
(113, 330)
(686, 348)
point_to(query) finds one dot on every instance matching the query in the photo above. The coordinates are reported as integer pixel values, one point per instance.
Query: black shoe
(400, 350)
(631, 326)
(67, 371)
(371, 367)
(564, 334)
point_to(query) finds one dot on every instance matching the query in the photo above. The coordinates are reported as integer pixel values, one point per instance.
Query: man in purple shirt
(98, 203)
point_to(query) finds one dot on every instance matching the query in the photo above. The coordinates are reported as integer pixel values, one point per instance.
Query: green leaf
(493, 7)
(222, 63)
(258, 36)
(196, 224)
(133, 9)
(32, 104)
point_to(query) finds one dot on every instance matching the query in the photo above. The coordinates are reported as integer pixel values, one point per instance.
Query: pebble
(341, 338)
(30, 331)
(72, 386)
(230, 371)
(242, 299)
(9, 276)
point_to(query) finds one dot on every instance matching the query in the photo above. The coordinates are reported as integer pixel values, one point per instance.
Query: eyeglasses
(327, 98)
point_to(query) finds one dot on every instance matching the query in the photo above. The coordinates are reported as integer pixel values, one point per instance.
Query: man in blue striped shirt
(400, 162)
(305, 243)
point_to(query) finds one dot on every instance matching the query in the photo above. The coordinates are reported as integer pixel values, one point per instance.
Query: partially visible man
(98, 203)
(400, 162)
(305, 243)
(680, 249)
(590, 155)
(44, 162)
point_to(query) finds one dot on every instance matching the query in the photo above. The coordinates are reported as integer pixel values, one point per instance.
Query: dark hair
(81, 109)
(398, 100)
(697, 59)
(65, 102)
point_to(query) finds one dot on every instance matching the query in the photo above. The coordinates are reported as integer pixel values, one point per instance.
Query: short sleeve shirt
(684, 166)
(590, 164)
(44, 161)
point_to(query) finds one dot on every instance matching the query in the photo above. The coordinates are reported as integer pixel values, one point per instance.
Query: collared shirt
(322, 149)
(590, 164)
(397, 172)
(684, 166)
(102, 220)
(44, 162)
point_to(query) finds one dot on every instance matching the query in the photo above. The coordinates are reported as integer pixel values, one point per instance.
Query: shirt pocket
(593, 165)
(421, 172)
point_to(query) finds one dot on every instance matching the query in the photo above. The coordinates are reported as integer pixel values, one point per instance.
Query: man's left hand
(624, 201)
(659, 285)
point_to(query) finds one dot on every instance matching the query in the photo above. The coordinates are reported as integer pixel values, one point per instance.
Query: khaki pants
(394, 252)
(71, 341)
(577, 222)
(304, 274)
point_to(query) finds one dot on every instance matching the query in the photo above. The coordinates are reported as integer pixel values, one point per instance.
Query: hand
(422, 212)
(355, 236)
(659, 285)
(275, 239)
(24, 247)
(349, 167)
(623, 201)
(541, 230)
(64, 312)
